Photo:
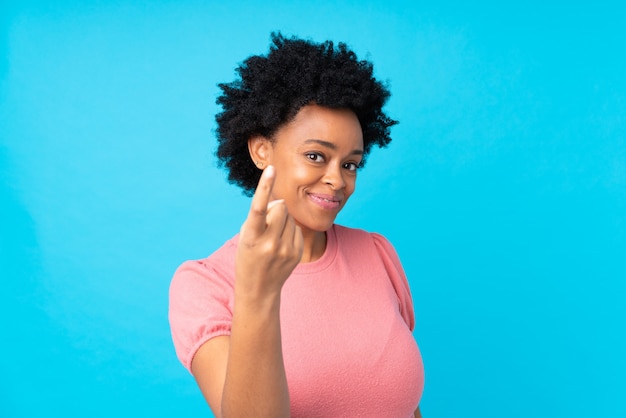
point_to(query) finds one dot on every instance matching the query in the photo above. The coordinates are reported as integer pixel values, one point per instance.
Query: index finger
(261, 198)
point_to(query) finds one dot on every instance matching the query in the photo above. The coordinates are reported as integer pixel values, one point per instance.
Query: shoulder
(355, 236)
(362, 244)
(193, 273)
(223, 255)
(344, 232)
(201, 300)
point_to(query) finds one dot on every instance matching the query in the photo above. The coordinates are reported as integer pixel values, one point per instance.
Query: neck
(314, 245)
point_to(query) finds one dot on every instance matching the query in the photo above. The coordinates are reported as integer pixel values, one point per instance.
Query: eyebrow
(330, 145)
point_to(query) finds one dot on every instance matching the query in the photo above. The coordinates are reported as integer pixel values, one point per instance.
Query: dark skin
(310, 174)
(244, 374)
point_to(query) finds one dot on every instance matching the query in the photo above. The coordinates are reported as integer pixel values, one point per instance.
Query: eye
(316, 157)
(351, 166)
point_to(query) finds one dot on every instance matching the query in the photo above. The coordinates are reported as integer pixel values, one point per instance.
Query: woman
(297, 316)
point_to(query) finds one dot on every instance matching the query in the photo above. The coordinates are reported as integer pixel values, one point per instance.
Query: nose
(334, 177)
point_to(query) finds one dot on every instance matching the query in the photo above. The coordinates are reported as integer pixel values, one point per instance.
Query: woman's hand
(270, 244)
(270, 247)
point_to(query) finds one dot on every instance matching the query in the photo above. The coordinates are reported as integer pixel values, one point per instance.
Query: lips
(325, 201)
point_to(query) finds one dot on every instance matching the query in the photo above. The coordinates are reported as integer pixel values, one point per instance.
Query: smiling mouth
(325, 201)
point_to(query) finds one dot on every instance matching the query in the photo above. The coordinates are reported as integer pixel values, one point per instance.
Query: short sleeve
(397, 276)
(200, 306)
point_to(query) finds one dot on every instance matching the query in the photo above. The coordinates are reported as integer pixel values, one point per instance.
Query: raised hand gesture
(270, 243)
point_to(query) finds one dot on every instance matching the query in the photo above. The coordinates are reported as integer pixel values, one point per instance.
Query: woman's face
(316, 156)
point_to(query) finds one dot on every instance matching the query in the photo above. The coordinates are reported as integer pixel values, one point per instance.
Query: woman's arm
(244, 374)
(418, 414)
(255, 372)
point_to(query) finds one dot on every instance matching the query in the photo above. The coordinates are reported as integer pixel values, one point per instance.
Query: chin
(317, 226)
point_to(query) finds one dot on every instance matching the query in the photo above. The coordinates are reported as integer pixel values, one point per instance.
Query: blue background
(504, 192)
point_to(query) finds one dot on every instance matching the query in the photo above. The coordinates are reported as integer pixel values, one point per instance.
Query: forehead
(340, 127)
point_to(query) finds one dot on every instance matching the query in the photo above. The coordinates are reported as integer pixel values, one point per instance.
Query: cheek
(289, 184)
(351, 184)
(303, 176)
(350, 187)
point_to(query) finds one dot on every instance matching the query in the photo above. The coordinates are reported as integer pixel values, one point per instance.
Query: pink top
(346, 322)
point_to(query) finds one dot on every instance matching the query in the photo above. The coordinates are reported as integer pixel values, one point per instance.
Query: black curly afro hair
(273, 88)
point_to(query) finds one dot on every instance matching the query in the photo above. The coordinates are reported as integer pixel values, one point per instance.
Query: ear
(260, 149)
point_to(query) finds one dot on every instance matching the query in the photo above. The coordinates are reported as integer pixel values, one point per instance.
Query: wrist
(256, 301)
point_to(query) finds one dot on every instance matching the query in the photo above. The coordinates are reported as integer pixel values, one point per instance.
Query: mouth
(325, 201)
